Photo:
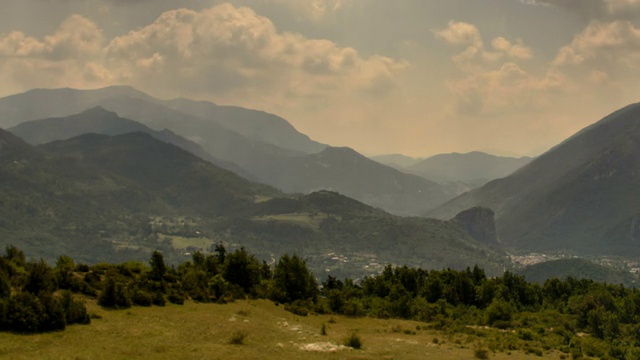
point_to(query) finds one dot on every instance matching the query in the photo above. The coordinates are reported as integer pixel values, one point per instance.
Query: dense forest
(577, 317)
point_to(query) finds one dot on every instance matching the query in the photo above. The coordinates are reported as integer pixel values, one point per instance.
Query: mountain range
(582, 195)
(254, 144)
(472, 169)
(113, 173)
(111, 198)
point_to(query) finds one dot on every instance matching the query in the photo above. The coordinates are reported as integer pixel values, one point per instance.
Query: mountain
(100, 121)
(397, 161)
(251, 124)
(474, 168)
(93, 196)
(113, 198)
(579, 269)
(185, 182)
(582, 195)
(228, 135)
(215, 139)
(346, 171)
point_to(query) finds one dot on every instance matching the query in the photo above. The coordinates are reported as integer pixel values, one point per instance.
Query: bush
(525, 335)
(75, 310)
(158, 299)
(142, 298)
(353, 341)
(481, 353)
(175, 298)
(237, 338)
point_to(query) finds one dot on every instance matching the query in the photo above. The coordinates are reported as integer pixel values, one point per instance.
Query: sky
(416, 77)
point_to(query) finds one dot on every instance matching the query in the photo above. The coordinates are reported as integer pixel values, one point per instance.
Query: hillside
(583, 195)
(255, 145)
(100, 121)
(346, 171)
(92, 195)
(397, 161)
(107, 198)
(578, 269)
(251, 124)
(195, 331)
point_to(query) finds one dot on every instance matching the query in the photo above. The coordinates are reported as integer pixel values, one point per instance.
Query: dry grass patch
(202, 331)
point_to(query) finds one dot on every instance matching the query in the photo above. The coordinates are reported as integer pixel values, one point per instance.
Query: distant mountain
(352, 174)
(583, 195)
(112, 198)
(220, 142)
(397, 161)
(474, 168)
(578, 269)
(255, 125)
(100, 121)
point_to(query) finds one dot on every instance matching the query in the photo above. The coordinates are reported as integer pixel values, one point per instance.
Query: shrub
(142, 298)
(353, 341)
(175, 298)
(481, 353)
(237, 338)
(525, 335)
(158, 299)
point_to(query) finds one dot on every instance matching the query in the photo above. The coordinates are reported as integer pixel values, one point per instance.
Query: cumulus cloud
(220, 50)
(492, 81)
(476, 55)
(604, 54)
(226, 48)
(62, 57)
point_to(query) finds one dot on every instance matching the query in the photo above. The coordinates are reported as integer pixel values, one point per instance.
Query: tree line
(37, 297)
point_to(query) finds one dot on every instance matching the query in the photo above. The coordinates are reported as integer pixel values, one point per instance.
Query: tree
(293, 280)
(64, 271)
(242, 269)
(158, 267)
(39, 277)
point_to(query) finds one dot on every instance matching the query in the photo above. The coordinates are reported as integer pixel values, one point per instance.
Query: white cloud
(492, 81)
(476, 55)
(224, 50)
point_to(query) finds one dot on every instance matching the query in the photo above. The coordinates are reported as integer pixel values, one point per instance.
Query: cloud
(62, 57)
(514, 51)
(476, 55)
(223, 50)
(604, 54)
(492, 82)
(227, 48)
(596, 9)
(506, 89)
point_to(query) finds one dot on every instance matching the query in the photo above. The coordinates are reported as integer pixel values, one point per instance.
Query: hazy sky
(417, 77)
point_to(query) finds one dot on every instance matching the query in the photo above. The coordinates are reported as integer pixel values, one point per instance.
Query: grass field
(304, 219)
(204, 331)
(180, 242)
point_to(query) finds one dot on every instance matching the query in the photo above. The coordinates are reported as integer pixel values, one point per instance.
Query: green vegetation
(237, 338)
(113, 199)
(353, 341)
(577, 268)
(487, 316)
